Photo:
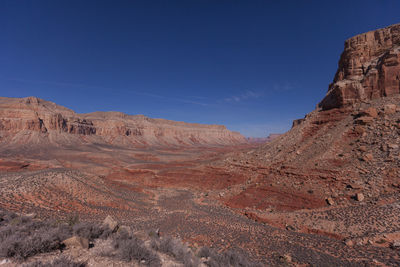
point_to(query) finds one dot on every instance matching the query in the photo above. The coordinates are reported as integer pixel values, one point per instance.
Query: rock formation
(21, 119)
(260, 140)
(369, 68)
(347, 146)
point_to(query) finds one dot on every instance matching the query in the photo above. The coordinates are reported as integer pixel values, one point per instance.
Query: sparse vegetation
(91, 231)
(131, 248)
(228, 258)
(58, 262)
(175, 249)
(22, 237)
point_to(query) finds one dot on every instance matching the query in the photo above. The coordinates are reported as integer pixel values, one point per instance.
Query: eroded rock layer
(369, 68)
(30, 119)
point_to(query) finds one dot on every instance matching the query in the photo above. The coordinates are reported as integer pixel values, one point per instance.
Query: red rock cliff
(369, 68)
(21, 117)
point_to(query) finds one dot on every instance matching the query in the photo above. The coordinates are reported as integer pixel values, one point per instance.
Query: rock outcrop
(369, 68)
(33, 116)
(348, 145)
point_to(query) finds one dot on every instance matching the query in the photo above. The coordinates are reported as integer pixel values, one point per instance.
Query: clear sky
(253, 66)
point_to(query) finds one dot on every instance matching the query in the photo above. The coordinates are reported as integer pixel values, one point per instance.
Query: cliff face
(349, 145)
(48, 120)
(369, 68)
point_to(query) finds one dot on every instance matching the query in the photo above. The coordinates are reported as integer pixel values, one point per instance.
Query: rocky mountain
(260, 140)
(348, 145)
(33, 120)
(368, 69)
(326, 193)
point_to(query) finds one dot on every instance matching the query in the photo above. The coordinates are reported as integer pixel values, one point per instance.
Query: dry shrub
(129, 248)
(176, 249)
(58, 262)
(21, 237)
(91, 231)
(228, 258)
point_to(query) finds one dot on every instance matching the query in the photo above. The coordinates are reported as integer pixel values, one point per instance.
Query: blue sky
(253, 66)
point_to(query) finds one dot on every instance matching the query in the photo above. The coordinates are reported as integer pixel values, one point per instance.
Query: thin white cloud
(78, 85)
(285, 86)
(245, 96)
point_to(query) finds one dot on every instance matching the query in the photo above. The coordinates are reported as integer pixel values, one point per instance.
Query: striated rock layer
(349, 145)
(23, 120)
(369, 68)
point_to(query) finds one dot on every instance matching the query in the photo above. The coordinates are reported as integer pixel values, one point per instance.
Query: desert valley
(325, 193)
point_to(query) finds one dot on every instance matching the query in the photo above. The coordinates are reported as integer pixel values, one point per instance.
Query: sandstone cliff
(369, 68)
(29, 119)
(350, 144)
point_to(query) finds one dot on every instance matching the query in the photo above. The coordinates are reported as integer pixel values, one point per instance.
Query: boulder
(359, 129)
(393, 146)
(368, 157)
(359, 196)
(370, 112)
(389, 109)
(364, 120)
(76, 242)
(349, 243)
(363, 148)
(395, 244)
(330, 201)
(111, 223)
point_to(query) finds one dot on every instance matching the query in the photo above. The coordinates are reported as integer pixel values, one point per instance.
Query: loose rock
(110, 223)
(76, 242)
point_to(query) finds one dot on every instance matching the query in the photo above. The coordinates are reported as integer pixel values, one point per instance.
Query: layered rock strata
(46, 119)
(369, 68)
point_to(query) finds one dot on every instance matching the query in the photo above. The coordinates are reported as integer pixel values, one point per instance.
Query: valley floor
(183, 195)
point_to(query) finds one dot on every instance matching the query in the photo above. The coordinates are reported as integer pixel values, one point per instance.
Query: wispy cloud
(182, 100)
(83, 86)
(284, 86)
(245, 96)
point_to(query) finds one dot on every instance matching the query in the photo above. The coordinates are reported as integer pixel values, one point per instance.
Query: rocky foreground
(326, 193)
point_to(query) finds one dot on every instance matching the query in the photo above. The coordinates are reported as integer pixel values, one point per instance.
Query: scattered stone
(359, 129)
(330, 201)
(371, 112)
(31, 215)
(290, 228)
(285, 258)
(363, 148)
(393, 146)
(76, 242)
(368, 157)
(349, 243)
(389, 109)
(359, 196)
(110, 223)
(395, 244)
(364, 120)
(5, 261)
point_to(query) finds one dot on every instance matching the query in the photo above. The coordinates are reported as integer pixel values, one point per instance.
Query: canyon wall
(369, 68)
(48, 120)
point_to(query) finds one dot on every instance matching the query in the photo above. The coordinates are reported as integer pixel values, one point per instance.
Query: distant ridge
(34, 120)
